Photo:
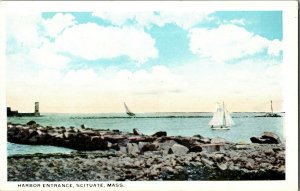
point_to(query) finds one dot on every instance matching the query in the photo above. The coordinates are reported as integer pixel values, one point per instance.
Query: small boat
(272, 114)
(128, 112)
(221, 119)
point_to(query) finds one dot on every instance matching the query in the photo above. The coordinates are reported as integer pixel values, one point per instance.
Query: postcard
(121, 95)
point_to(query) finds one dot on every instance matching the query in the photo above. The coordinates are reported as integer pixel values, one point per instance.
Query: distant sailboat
(272, 114)
(128, 111)
(221, 118)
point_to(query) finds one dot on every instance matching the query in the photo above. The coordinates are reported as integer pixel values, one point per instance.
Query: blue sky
(176, 61)
(173, 40)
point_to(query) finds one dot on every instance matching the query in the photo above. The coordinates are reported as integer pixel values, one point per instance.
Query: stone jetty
(114, 155)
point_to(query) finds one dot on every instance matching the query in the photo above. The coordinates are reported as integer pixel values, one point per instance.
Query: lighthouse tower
(36, 109)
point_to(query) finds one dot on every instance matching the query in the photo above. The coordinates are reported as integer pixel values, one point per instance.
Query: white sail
(229, 121)
(221, 118)
(128, 111)
(217, 119)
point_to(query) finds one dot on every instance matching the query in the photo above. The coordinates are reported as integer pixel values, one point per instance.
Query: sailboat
(272, 114)
(128, 112)
(221, 118)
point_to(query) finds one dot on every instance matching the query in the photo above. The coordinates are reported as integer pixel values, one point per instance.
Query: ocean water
(183, 124)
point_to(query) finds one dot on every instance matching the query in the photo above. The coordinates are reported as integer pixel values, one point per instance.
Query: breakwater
(115, 155)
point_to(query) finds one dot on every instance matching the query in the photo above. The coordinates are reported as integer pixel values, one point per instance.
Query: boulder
(137, 132)
(269, 151)
(159, 134)
(199, 136)
(188, 142)
(33, 134)
(13, 131)
(196, 148)
(114, 138)
(212, 147)
(272, 137)
(266, 138)
(137, 139)
(204, 140)
(179, 149)
(257, 140)
(149, 147)
(166, 145)
(141, 144)
(31, 123)
(132, 148)
(222, 166)
(207, 162)
(217, 140)
(250, 165)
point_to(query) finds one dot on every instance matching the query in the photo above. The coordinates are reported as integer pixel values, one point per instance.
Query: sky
(155, 61)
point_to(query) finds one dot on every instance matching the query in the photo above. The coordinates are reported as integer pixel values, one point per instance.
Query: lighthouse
(36, 109)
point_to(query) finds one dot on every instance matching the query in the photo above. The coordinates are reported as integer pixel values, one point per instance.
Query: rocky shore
(113, 155)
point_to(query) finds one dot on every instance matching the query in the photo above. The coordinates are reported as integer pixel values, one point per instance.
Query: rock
(116, 130)
(217, 140)
(137, 139)
(123, 149)
(204, 140)
(272, 137)
(217, 157)
(250, 165)
(136, 132)
(281, 169)
(167, 169)
(31, 123)
(266, 138)
(280, 155)
(257, 140)
(222, 166)
(212, 147)
(196, 148)
(199, 136)
(115, 138)
(167, 144)
(132, 148)
(242, 146)
(149, 161)
(149, 147)
(141, 144)
(159, 134)
(13, 131)
(186, 141)
(82, 126)
(207, 162)
(269, 152)
(179, 149)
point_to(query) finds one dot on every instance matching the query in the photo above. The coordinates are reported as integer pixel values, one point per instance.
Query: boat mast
(271, 107)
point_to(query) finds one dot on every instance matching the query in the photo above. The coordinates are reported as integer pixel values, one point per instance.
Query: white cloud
(184, 19)
(229, 42)
(55, 25)
(22, 31)
(158, 80)
(48, 59)
(91, 41)
(237, 21)
(251, 78)
(81, 78)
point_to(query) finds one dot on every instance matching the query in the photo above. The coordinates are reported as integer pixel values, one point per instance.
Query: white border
(290, 39)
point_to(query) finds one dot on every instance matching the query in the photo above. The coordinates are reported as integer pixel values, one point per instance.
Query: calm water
(184, 124)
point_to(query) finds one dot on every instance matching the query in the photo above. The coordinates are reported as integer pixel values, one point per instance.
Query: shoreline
(133, 156)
